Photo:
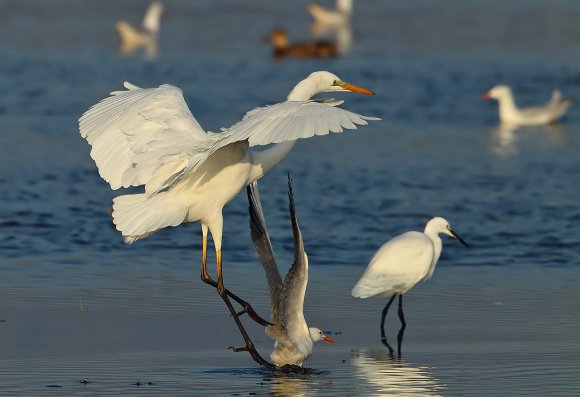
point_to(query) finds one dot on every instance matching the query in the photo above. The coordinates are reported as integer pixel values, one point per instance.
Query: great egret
(401, 263)
(314, 49)
(149, 137)
(509, 113)
(294, 339)
(146, 37)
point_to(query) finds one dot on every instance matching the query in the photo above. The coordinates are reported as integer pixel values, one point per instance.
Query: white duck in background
(401, 263)
(146, 37)
(339, 16)
(294, 339)
(509, 113)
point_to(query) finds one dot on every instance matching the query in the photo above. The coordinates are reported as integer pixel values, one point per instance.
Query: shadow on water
(387, 375)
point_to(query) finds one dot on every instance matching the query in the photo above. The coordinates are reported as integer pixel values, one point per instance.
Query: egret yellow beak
(354, 88)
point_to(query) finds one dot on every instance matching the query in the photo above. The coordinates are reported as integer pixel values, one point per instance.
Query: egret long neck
(264, 160)
(304, 90)
(437, 246)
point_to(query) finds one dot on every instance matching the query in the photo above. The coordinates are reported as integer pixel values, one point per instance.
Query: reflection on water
(284, 385)
(505, 136)
(393, 377)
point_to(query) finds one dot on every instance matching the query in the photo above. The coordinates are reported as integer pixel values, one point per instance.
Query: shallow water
(498, 319)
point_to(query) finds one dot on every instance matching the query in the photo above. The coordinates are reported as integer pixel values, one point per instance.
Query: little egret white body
(509, 113)
(146, 37)
(149, 137)
(294, 339)
(401, 263)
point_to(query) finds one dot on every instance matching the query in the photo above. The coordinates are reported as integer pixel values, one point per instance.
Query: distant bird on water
(308, 49)
(401, 263)
(294, 339)
(146, 37)
(509, 113)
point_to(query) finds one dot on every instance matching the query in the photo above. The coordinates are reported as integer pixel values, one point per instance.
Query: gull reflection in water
(504, 137)
(285, 385)
(394, 377)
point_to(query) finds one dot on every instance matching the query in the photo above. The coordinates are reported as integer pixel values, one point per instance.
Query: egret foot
(248, 309)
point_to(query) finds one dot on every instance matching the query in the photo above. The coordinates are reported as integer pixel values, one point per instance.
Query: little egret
(134, 38)
(509, 113)
(401, 263)
(149, 137)
(294, 339)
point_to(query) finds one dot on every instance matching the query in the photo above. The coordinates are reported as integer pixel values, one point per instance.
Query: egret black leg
(249, 346)
(401, 314)
(384, 317)
(401, 333)
(205, 277)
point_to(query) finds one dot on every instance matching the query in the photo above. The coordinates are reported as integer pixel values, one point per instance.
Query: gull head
(498, 92)
(317, 335)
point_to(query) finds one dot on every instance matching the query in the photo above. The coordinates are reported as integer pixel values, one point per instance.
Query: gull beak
(354, 88)
(456, 236)
(327, 339)
(486, 96)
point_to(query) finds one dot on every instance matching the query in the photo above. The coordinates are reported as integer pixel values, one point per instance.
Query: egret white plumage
(401, 263)
(149, 137)
(294, 339)
(509, 113)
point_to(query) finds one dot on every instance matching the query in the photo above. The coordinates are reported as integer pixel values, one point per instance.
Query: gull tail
(138, 216)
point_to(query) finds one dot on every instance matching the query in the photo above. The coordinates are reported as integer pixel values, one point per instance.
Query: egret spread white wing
(143, 136)
(149, 136)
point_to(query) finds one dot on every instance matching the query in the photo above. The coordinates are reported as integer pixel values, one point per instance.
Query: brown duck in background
(314, 49)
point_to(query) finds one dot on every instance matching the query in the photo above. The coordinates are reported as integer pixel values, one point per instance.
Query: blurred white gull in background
(335, 23)
(146, 37)
(340, 15)
(509, 113)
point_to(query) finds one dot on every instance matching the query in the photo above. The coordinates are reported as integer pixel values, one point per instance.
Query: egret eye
(335, 82)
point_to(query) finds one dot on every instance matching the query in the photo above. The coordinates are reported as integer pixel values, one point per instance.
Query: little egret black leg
(384, 317)
(401, 314)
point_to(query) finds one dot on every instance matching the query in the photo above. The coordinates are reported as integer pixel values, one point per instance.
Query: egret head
(323, 81)
(329, 82)
(317, 335)
(440, 225)
(497, 92)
